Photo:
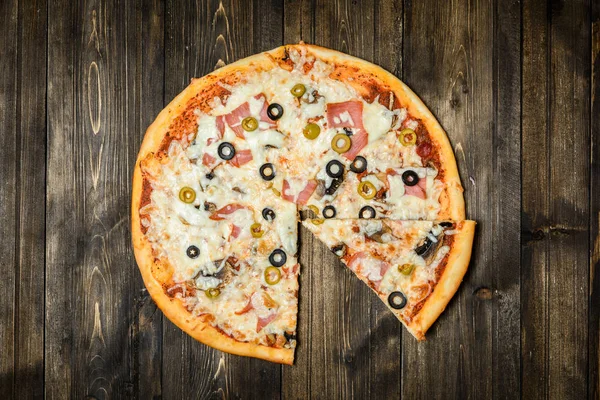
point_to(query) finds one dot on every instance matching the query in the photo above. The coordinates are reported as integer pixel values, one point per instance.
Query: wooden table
(515, 84)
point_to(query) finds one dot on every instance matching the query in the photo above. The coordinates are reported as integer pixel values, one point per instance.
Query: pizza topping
(275, 111)
(212, 293)
(397, 300)
(262, 322)
(334, 169)
(341, 143)
(228, 209)
(241, 157)
(187, 195)
(410, 178)
(424, 149)
(359, 165)
(267, 171)
(367, 212)
(226, 151)
(287, 191)
(418, 190)
(348, 114)
(406, 269)
(208, 160)
(192, 251)
(311, 131)
(268, 214)
(367, 190)
(407, 137)
(339, 249)
(234, 119)
(298, 90)
(272, 275)
(278, 258)
(329, 211)
(249, 124)
(381, 234)
(256, 230)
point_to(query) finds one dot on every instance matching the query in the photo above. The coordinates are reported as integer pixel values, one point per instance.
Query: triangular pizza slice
(415, 267)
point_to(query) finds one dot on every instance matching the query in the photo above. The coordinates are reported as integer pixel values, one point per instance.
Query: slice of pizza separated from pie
(414, 267)
(226, 167)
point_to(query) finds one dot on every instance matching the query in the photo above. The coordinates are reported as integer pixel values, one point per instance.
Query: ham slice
(234, 118)
(208, 160)
(247, 308)
(418, 190)
(303, 196)
(354, 262)
(228, 209)
(241, 157)
(220, 127)
(262, 322)
(349, 115)
(235, 231)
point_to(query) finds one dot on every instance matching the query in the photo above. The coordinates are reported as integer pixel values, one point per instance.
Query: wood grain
(31, 172)
(515, 84)
(8, 194)
(594, 312)
(556, 199)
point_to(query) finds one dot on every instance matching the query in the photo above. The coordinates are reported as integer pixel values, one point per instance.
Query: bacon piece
(220, 126)
(306, 192)
(208, 160)
(418, 190)
(354, 262)
(235, 231)
(228, 209)
(360, 139)
(345, 115)
(349, 115)
(262, 322)
(247, 308)
(241, 157)
(234, 119)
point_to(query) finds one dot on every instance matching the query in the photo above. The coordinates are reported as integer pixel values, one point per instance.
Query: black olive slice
(422, 249)
(210, 175)
(446, 224)
(348, 131)
(278, 258)
(329, 211)
(226, 151)
(410, 178)
(211, 207)
(268, 214)
(359, 165)
(339, 250)
(397, 300)
(367, 212)
(274, 111)
(335, 184)
(334, 169)
(267, 171)
(289, 336)
(192, 252)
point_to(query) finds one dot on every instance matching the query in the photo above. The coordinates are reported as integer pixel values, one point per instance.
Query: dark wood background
(515, 84)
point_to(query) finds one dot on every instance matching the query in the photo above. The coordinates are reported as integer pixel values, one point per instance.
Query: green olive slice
(272, 275)
(187, 194)
(407, 137)
(311, 131)
(249, 124)
(341, 143)
(298, 90)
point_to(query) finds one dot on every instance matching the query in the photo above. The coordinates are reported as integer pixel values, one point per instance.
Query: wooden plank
(594, 312)
(62, 211)
(31, 171)
(94, 117)
(555, 203)
(200, 38)
(536, 201)
(147, 324)
(505, 217)
(8, 193)
(452, 58)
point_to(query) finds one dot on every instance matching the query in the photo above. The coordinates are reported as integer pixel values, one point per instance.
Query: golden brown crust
(456, 267)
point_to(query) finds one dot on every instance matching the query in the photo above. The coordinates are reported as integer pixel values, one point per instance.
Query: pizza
(229, 167)
(415, 267)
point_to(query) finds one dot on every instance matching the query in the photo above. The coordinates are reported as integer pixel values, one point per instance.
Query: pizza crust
(456, 267)
(452, 200)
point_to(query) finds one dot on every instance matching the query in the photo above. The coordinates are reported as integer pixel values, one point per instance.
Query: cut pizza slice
(415, 267)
